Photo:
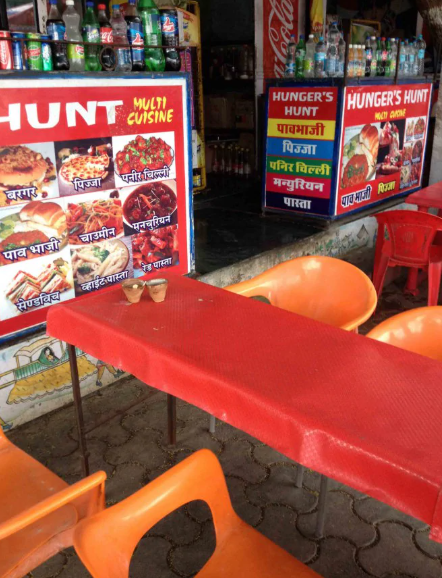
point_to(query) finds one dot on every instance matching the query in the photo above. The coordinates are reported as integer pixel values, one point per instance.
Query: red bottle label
(106, 35)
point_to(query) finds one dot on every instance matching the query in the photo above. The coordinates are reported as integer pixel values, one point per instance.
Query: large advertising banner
(384, 133)
(300, 143)
(280, 21)
(94, 188)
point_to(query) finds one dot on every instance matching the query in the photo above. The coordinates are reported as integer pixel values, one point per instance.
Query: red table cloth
(359, 411)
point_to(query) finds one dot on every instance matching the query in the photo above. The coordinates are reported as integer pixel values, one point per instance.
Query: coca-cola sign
(280, 20)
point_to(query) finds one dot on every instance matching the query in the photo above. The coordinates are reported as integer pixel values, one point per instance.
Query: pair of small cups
(134, 288)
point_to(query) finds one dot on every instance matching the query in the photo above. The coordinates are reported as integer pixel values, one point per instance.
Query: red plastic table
(359, 411)
(428, 198)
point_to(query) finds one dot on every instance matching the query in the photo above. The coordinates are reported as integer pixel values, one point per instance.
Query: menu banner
(94, 188)
(301, 131)
(383, 141)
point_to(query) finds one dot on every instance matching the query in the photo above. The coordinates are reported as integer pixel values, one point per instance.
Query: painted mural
(35, 378)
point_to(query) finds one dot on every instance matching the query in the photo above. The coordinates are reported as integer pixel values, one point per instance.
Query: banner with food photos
(94, 187)
(383, 140)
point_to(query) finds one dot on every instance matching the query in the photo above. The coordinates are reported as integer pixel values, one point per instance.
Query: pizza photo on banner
(384, 135)
(94, 188)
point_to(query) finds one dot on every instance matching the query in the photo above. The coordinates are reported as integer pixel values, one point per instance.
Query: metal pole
(78, 409)
(322, 506)
(171, 419)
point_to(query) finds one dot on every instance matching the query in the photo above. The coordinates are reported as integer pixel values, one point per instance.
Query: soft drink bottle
(379, 61)
(351, 61)
(135, 36)
(368, 56)
(170, 38)
(361, 59)
(421, 46)
(300, 57)
(107, 55)
(309, 60)
(388, 57)
(341, 57)
(331, 64)
(150, 17)
(247, 166)
(75, 52)
(290, 61)
(393, 57)
(374, 60)
(119, 31)
(57, 31)
(333, 34)
(91, 33)
(320, 56)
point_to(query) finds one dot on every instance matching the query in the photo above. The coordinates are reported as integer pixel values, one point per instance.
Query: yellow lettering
(130, 119)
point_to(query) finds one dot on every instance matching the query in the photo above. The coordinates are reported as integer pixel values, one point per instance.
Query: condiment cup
(133, 289)
(157, 289)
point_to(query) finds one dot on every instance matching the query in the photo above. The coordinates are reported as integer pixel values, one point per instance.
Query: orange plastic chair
(38, 510)
(418, 330)
(105, 543)
(410, 244)
(322, 288)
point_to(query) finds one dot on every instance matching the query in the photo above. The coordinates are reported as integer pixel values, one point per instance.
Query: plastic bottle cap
(116, 6)
(89, 4)
(69, 2)
(52, 1)
(321, 39)
(101, 6)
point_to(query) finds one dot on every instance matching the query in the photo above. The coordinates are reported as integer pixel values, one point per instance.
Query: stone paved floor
(363, 537)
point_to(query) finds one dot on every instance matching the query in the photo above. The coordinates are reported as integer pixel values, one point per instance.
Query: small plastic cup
(157, 289)
(133, 289)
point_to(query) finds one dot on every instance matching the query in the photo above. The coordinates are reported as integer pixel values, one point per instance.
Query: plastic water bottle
(71, 20)
(290, 61)
(401, 72)
(406, 67)
(368, 56)
(119, 31)
(341, 57)
(421, 46)
(300, 57)
(411, 58)
(320, 56)
(333, 34)
(309, 60)
(331, 64)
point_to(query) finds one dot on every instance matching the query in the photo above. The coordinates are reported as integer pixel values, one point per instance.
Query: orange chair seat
(249, 554)
(26, 484)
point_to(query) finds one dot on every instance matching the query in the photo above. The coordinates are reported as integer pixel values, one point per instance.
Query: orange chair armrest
(51, 504)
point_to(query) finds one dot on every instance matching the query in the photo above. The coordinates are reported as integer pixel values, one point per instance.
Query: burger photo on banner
(360, 154)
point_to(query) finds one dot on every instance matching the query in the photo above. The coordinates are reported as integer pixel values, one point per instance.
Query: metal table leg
(212, 424)
(171, 419)
(299, 476)
(322, 505)
(78, 409)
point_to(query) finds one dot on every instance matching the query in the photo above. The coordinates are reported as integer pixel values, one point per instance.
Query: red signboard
(280, 20)
(94, 188)
(384, 133)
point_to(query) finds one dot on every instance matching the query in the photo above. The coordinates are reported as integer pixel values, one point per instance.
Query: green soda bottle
(91, 33)
(150, 17)
(300, 57)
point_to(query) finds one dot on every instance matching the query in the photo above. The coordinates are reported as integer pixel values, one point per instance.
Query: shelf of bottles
(234, 63)
(330, 57)
(232, 161)
(144, 39)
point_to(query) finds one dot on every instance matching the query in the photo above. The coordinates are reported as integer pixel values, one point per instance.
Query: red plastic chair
(410, 244)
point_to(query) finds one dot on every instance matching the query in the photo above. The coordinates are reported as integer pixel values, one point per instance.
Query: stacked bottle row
(232, 62)
(123, 43)
(231, 160)
(377, 57)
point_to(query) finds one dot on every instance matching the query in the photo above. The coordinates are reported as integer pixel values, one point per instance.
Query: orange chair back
(417, 330)
(411, 234)
(105, 543)
(38, 510)
(322, 288)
